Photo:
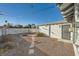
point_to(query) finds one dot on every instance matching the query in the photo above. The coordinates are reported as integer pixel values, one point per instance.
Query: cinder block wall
(44, 29)
(16, 31)
(56, 31)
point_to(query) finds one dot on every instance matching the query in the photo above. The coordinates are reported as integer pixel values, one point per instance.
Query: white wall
(77, 36)
(17, 30)
(76, 33)
(44, 29)
(56, 31)
(0, 31)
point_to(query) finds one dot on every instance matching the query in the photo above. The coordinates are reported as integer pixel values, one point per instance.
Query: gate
(65, 32)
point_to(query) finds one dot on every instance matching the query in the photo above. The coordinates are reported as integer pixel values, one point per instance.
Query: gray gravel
(21, 48)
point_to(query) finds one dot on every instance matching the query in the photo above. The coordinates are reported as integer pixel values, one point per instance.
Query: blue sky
(29, 13)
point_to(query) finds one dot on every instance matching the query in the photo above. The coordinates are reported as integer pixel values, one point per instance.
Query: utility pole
(1, 13)
(5, 27)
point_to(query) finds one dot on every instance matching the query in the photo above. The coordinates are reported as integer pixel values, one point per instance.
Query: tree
(19, 26)
(33, 26)
(5, 23)
(29, 25)
(9, 25)
(26, 26)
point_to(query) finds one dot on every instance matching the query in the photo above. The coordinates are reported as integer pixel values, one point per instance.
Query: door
(65, 32)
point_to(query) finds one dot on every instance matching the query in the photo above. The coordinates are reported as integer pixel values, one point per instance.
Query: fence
(16, 30)
(56, 30)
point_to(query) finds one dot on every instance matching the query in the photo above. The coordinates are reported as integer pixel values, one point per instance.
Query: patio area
(20, 47)
(30, 45)
(51, 46)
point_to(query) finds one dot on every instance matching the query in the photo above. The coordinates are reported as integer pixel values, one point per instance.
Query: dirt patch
(52, 47)
(6, 43)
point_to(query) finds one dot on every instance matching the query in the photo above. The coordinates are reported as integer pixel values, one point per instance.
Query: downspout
(49, 30)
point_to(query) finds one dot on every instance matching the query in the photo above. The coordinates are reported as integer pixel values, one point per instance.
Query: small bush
(40, 35)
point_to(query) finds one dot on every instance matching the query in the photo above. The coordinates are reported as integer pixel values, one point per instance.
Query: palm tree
(5, 21)
(5, 26)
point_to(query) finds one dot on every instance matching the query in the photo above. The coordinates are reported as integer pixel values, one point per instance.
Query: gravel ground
(52, 47)
(44, 46)
(21, 48)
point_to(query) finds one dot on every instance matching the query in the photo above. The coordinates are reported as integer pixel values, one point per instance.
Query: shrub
(40, 34)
